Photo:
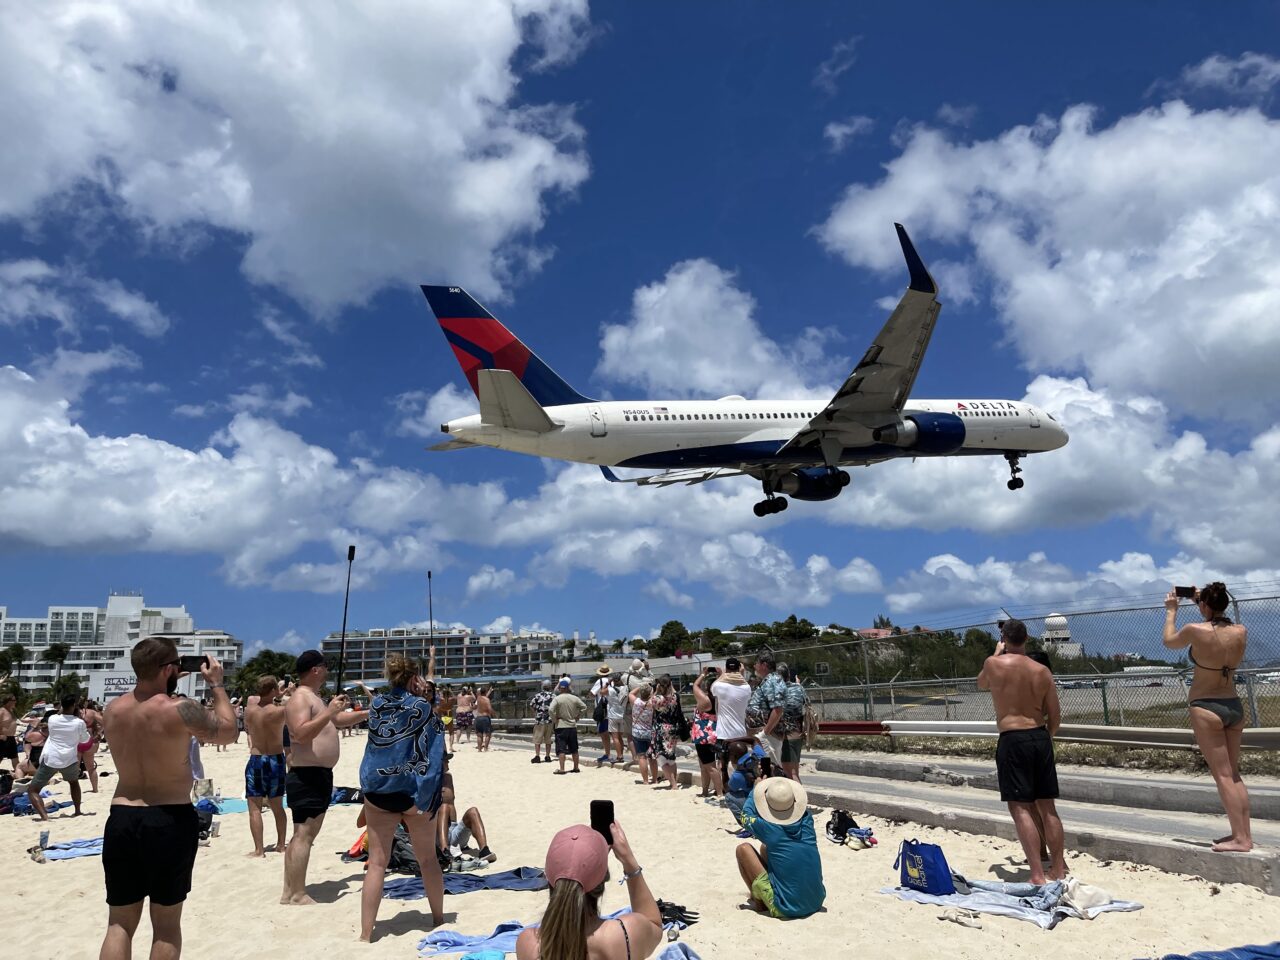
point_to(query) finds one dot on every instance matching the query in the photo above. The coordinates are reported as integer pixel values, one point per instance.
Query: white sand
(58, 909)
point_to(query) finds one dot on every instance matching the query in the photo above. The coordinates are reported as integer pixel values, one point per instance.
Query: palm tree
(17, 654)
(57, 653)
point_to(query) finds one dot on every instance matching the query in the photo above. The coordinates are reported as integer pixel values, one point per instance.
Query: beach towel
(71, 849)
(678, 951)
(521, 878)
(22, 806)
(1255, 952)
(483, 954)
(1041, 905)
(503, 938)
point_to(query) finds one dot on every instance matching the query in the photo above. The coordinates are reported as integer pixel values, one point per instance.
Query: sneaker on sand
(487, 855)
(837, 830)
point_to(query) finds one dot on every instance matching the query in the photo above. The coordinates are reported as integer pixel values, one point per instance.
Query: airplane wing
(454, 444)
(880, 384)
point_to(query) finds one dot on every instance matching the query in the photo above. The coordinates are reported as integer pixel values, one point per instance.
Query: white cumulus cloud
(348, 152)
(1140, 253)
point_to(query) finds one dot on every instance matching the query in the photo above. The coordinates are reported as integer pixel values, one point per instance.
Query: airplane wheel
(761, 508)
(1016, 483)
(844, 478)
(779, 504)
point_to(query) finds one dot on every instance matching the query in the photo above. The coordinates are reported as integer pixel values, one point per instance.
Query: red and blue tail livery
(481, 342)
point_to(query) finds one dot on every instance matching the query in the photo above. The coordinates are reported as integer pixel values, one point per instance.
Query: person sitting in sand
(577, 869)
(455, 832)
(401, 778)
(1217, 716)
(60, 756)
(1027, 716)
(265, 771)
(150, 841)
(785, 875)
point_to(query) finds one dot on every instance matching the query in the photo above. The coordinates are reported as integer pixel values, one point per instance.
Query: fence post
(866, 702)
(1253, 701)
(1106, 712)
(893, 703)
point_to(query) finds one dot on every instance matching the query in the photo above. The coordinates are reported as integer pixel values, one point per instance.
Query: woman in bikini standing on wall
(1217, 716)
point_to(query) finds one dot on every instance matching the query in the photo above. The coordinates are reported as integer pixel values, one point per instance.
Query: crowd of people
(747, 729)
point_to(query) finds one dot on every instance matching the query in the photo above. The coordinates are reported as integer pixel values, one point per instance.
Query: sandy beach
(58, 908)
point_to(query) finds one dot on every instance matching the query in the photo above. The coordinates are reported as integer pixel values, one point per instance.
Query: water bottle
(44, 839)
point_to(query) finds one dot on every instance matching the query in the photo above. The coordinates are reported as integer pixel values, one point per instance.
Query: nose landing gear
(1015, 481)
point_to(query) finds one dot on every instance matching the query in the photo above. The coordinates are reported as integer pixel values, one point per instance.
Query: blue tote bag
(924, 868)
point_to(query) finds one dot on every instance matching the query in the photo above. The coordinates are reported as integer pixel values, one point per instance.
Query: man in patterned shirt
(540, 704)
(764, 710)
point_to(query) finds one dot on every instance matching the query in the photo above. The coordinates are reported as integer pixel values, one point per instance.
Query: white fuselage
(685, 433)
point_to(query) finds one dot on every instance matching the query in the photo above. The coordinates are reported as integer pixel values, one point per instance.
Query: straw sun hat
(780, 801)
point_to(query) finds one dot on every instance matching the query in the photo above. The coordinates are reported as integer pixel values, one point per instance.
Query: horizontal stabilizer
(454, 444)
(504, 402)
(688, 477)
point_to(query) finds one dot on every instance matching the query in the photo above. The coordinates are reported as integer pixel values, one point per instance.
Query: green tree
(593, 651)
(65, 685)
(882, 622)
(266, 663)
(639, 644)
(672, 637)
(56, 653)
(617, 645)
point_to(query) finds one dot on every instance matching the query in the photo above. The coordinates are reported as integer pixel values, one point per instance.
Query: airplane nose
(1060, 435)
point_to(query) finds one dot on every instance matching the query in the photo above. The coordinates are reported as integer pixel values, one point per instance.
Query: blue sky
(212, 225)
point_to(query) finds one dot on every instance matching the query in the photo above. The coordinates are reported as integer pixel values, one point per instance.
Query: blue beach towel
(1254, 952)
(521, 878)
(503, 938)
(71, 849)
(678, 951)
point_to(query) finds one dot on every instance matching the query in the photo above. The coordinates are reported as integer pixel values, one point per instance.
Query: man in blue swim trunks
(264, 774)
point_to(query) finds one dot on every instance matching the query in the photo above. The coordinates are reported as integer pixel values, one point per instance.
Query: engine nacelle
(816, 483)
(930, 433)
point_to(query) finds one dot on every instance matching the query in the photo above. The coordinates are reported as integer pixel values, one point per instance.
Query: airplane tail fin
(481, 342)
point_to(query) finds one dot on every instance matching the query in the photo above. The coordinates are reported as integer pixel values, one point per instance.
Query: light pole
(342, 646)
(431, 613)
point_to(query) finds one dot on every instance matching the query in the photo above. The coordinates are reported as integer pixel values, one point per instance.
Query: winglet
(610, 475)
(920, 279)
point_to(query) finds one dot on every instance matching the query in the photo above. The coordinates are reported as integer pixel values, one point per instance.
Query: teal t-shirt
(795, 869)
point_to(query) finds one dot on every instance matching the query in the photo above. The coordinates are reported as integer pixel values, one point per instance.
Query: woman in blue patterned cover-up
(666, 728)
(401, 777)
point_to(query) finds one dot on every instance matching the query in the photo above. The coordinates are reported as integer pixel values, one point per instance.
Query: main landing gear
(773, 505)
(1015, 481)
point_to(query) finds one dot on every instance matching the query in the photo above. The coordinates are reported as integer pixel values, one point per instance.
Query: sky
(217, 371)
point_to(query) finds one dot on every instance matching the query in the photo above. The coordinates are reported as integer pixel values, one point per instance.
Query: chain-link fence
(1111, 667)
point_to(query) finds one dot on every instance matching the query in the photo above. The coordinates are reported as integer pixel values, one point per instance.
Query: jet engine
(928, 433)
(817, 483)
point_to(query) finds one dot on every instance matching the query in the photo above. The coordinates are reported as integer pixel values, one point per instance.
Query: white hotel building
(459, 653)
(101, 639)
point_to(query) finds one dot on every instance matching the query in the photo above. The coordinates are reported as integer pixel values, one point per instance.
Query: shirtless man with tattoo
(149, 844)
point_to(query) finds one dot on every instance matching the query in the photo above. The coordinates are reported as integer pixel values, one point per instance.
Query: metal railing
(1115, 699)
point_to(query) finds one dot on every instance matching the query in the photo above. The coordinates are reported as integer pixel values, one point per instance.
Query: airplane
(794, 448)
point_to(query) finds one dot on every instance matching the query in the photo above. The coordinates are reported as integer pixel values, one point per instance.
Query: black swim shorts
(309, 790)
(9, 748)
(1025, 767)
(566, 741)
(148, 852)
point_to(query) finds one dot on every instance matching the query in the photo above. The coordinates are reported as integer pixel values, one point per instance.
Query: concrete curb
(1261, 870)
(1188, 798)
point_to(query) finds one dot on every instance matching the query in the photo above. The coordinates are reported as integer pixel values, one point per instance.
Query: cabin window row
(718, 416)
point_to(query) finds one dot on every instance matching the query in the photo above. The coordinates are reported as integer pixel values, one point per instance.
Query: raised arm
(211, 726)
(431, 663)
(1174, 638)
(303, 729)
(643, 906)
(1052, 709)
(984, 676)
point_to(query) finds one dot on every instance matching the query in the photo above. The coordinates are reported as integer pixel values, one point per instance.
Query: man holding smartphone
(313, 731)
(149, 844)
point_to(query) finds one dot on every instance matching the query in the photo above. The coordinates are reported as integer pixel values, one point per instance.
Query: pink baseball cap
(578, 853)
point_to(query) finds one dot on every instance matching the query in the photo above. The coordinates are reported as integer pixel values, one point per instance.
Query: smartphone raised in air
(1185, 593)
(602, 819)
(192, 662)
